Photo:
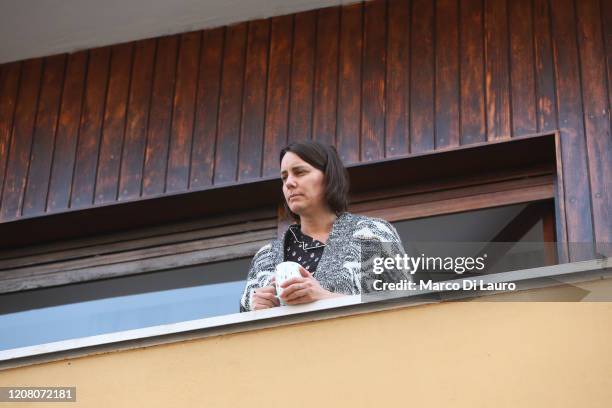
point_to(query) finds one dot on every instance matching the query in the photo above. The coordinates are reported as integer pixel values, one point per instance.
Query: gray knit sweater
(343, 260)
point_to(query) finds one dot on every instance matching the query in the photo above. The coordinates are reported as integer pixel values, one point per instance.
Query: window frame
(138, 251)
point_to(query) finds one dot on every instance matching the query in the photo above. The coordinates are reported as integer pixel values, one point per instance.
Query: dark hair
(325, 158)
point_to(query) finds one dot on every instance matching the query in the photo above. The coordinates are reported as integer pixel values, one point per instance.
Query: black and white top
(339, 267)
(303, 249)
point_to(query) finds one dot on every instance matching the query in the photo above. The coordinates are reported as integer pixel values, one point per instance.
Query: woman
(326, 241)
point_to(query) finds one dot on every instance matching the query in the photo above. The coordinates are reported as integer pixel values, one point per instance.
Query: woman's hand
(305, 289)
(265, 297)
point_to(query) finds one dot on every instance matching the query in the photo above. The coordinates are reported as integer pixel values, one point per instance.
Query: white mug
(285, 271)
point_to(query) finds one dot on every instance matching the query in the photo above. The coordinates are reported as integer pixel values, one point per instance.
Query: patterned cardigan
(339, 269)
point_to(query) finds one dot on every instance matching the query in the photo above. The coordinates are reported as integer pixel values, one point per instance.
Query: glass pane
(106, 306)
(512, 237)
(471, 226)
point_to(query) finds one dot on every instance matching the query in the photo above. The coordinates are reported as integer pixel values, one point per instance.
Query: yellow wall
(460, 354)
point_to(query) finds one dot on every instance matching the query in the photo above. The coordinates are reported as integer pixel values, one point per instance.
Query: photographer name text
(465, 284)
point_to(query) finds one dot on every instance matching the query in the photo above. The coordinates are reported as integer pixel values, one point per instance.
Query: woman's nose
(290, 182)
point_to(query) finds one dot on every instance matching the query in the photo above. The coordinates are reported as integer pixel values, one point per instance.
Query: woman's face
(303, 185)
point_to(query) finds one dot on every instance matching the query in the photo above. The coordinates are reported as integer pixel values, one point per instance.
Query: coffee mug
(285, 271)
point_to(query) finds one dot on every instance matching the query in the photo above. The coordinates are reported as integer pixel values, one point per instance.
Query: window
(128, 280)
(513, 237)
(111, 305)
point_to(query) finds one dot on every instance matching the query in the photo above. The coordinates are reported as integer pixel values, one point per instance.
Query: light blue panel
(120, 313)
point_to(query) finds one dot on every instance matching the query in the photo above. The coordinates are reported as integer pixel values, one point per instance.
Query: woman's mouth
(294, 196)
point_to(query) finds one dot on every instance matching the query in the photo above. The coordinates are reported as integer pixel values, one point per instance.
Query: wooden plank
(326, 76)
(522, 65)
(254, 101)
(134, 267)
(179, 155)
(302, 76)
(453, 183)
(548, 231)
(64, 155)
(277, 100)
(84, 177)
(429, 197)
(397, 137)
(137, 255)
(497, 77)
(137, 120)
(373, 82)
(249, 218)
(447, 74)
(560, 214)
(9, 86)
(160, 117)
(544, 71)
(422, 77)
(597, 119)
(21, 141)
(548, 225)
(122, 244)
(226, 155)
(461, 204)
(349, 83)
(473, 121)
(37, 186)
(207, 108)
(606, 17)
(113, 126)
(571, 125)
